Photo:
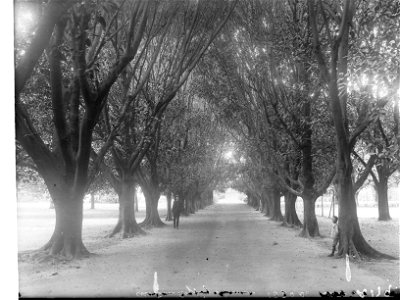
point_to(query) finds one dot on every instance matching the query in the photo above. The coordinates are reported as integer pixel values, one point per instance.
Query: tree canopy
(275, 98)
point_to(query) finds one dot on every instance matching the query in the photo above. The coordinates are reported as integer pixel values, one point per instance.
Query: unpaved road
(226, 247)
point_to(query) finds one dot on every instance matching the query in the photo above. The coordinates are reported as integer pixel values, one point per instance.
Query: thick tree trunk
(253, 201)
(310, 223)
(276, 205)
(126, 224)
(291, 219)
(196, 201)
(190, 203)
(267, 205)
(210, 197)
(352, 241)
(381, 188)
(185, 210)
(203, 199)
(152, 218)
(169, 211)
(264, 205)
(67, 236)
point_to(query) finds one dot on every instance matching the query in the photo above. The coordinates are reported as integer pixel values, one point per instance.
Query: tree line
(310, 89)
(150, 93)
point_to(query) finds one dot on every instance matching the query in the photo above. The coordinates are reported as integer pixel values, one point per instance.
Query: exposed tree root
(290, 225)
(305, 232)
(365, 251)
(55, 252)
(66, 248)
(127, 231)
(277, 218)
(285, 224)
(152, 223)
(292, 222)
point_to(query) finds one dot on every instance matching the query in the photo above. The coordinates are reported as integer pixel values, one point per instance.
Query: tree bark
(351, 239)
(253, 201)
(381, 188)
(291, 219)
(67, 236)
(310, 223)
(210, 197)
(185, 205)
(152, 218)
(203, 199)
(169, 211)
(126, 224)
(275, 201)
(190, 203)
(264, 207)
(197, 201)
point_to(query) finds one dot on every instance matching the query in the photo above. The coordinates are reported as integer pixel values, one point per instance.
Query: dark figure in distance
(176, 212)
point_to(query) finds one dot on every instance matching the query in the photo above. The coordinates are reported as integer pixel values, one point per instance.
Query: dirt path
(224, 247)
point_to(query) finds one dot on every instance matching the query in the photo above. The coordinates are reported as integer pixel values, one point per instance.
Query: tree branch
(365, 165)
(52, 14)
(368, 169)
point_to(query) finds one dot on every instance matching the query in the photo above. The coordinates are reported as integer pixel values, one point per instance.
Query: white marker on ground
(155, 284)
(348, 272)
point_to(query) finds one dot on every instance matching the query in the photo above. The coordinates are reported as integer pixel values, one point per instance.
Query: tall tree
(189, 29)
(78, 93)
(331, 28)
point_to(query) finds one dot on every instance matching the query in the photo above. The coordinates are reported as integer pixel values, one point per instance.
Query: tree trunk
(196, 201)
(91, 201)
(203, 199)
(169, 211)
(310, 223)
(191, 205)
(381, 188)
(264, 205)
(67, 236)
(210, 197)
(126, 224)
(253, 201)
(352, 241)
(136, 200)
(291, 219)
(275, 200)
(152, 218)
(185, 204)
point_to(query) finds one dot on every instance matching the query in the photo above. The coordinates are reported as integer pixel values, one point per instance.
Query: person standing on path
(335, 235)
(176, 212)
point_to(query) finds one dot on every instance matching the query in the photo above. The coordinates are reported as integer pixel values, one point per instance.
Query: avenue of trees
(152, 94)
